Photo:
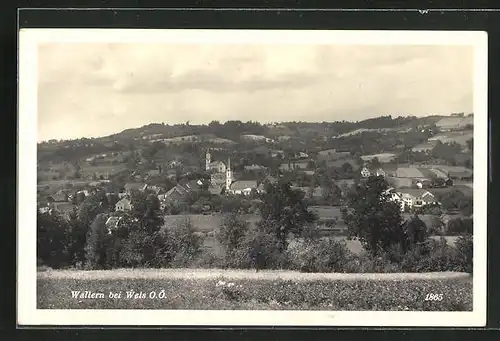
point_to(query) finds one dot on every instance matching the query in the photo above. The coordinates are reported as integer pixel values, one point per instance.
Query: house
(178, 192)
(217, 179)
(379, 172)
(174, 164)
(365, 172)
(244, 187)
(255, 168)
(276, 153)
(416, 197)
(217, 166)
(85, 192)
(156, 189)
(123, 205)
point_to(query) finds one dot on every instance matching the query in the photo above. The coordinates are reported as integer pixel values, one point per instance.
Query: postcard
(252, 178)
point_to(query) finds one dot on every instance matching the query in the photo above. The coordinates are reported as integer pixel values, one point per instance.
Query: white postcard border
(28, 314)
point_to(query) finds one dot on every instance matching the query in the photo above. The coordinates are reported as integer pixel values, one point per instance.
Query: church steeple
(208, 159)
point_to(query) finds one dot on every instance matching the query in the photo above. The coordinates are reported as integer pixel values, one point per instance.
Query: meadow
(248, 290)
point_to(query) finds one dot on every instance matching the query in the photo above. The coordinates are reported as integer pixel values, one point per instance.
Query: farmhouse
(123, 205)
(416, 197)
(176, 193)
(365, 172)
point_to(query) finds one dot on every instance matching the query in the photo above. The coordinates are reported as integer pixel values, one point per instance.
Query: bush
(230, 235)
(459, 226)
(98, 241)
(431, 256)
(259, 249)
(182, 245)
(323, 255)
(464, 245)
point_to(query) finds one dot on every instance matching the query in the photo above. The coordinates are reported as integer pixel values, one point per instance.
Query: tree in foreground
(372, 217)
(283, 211)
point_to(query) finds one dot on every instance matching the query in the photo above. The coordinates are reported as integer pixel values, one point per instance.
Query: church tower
(229, 175)
(208, 158)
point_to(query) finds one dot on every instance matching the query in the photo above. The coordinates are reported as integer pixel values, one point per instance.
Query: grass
(88, 170)
(266, 291)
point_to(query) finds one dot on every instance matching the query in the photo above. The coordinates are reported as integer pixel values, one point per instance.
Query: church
(222, 177)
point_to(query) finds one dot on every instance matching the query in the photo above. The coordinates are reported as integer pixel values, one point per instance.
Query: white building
(123, 205)
(217, 166)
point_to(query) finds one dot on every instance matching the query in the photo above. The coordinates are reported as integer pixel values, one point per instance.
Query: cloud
(100, 89)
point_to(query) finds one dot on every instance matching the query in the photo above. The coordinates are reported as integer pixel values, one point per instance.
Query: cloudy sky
(89, 90)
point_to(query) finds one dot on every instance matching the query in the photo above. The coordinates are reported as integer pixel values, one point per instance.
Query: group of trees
(288, 236)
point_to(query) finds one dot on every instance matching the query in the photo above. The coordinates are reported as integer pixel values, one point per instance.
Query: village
(222, 178)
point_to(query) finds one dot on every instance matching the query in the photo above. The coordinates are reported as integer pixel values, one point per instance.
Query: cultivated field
(409, 172)
(460, 137)
(88, 170)
(266, 290)
(383, 158)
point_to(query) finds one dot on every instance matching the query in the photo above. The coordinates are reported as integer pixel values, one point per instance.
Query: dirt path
(240, 274)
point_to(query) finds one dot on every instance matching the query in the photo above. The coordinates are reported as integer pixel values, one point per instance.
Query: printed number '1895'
(434, 297)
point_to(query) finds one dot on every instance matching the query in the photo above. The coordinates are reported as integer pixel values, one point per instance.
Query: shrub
(207, 259)
(259, 249)
(459, 226)
(230, 235)
(98, 241)
(323, 255)
(182, 245)
(464, 246)
(431, 256)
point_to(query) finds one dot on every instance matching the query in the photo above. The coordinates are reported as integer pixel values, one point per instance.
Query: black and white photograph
(239, 177)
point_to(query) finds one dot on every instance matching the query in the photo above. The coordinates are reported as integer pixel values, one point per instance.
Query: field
(458, 137)
(265, 290)
(382, 158)
(55, 185)
(341, 162)
(409, 172)
(88, 170)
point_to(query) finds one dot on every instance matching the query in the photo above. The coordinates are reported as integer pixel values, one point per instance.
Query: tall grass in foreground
(256, 294)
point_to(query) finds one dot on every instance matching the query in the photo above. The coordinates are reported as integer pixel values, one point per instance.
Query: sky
(97, 89)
